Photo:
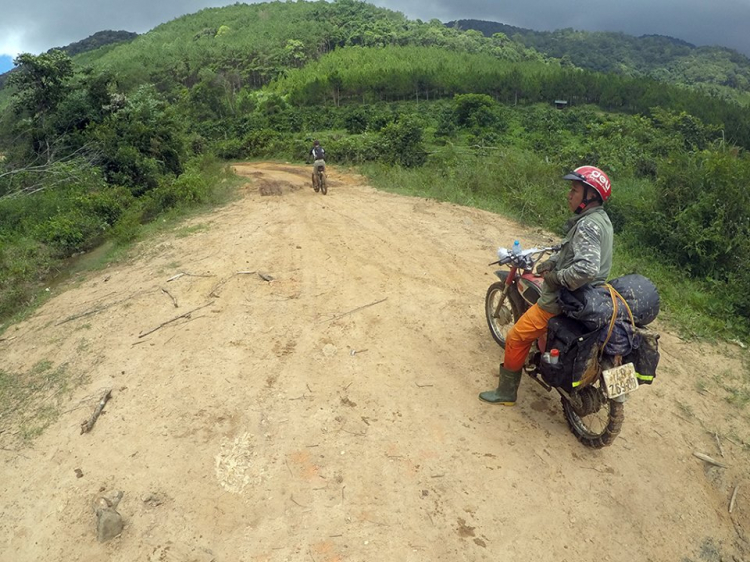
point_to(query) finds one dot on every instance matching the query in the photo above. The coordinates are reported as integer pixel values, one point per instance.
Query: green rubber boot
(506, 391)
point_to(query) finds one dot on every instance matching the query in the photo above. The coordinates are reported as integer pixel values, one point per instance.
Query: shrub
(402, 143)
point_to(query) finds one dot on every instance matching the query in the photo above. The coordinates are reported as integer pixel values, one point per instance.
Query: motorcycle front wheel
(598, 421)
(500, 320)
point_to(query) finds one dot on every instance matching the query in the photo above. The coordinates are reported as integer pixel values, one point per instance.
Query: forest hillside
(714, 70)
(97, 146)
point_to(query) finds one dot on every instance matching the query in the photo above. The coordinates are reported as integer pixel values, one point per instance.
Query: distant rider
(585, 257)
(318, 154)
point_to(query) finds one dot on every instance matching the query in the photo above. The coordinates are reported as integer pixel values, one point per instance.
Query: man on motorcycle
(585, 257)
(318, 154)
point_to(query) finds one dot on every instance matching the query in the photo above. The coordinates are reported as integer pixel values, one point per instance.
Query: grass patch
(30, 401)
(186, 231)
(30, 273)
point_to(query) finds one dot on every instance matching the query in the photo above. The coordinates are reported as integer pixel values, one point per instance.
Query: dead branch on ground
(174, 300)
(222, 283)
(88, 424)
(185, 274)
(734, 497)
(97, 309)
(709, 460)
(353, 311)
(174, 319)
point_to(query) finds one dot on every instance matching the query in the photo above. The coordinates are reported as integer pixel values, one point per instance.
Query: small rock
(79, 473)
(109, 523)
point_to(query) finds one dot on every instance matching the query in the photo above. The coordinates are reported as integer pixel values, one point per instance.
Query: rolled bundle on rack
(641, 295)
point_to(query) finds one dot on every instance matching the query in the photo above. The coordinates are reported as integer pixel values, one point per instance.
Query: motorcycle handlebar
(525, 259)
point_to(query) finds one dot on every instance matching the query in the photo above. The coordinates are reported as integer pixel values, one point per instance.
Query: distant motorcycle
(593, 386)
(319, 179)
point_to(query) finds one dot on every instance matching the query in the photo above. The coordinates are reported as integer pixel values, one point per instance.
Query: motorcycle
(594, 405)
(319, 179)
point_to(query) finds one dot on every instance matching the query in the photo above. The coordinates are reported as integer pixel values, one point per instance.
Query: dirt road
(331, 413)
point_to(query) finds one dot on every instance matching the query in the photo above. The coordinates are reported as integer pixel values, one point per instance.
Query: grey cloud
(721, 22)
(37, 25)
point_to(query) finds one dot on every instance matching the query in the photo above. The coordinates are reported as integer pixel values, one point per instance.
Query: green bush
(402, 143)
(229, 149)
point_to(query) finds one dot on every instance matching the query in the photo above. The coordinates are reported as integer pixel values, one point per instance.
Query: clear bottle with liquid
(516, 248)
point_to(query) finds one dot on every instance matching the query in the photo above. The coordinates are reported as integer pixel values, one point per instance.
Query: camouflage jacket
(585, 255)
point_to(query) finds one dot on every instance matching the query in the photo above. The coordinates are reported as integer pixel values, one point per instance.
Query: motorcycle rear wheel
(598, 429)
(322, 182)
(500, 324)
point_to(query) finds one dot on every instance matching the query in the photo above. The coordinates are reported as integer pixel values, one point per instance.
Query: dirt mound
(296, 378)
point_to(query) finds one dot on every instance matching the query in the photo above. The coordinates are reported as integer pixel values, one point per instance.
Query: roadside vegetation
(95, 147)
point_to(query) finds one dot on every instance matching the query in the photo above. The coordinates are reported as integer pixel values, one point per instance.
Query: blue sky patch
(6, 63)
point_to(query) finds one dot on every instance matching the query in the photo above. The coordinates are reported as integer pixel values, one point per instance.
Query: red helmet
(594, 178)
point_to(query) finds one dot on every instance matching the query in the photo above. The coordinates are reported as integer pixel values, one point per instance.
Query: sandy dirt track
(287, 420)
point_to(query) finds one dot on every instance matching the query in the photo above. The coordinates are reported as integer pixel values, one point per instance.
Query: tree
(40, 81)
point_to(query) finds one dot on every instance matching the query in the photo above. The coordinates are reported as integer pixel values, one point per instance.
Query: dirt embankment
(327, 410)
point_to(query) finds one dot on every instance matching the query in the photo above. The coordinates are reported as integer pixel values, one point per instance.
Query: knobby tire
(591, 438)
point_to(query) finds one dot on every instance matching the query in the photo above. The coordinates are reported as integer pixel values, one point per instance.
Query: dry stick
(175, 318)
(734, 497)
(295, 501)
(98, 309)
(81, 315)
(87, 425)
(353, 311)
(718, 443)
(213, 291)
(175, 277)
(174, 300)
(709, 460)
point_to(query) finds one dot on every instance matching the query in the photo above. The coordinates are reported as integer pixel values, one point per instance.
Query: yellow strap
(615, 296)
(611, 320)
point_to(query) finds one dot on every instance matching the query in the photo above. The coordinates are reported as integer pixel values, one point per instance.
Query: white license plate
(620, 380)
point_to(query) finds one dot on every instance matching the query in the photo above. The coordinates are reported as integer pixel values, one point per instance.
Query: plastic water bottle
(516, 248)
(554, 356)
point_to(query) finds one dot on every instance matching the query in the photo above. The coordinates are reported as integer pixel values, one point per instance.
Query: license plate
(620, 380)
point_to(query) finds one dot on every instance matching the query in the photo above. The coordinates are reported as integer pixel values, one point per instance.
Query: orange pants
(529, 327)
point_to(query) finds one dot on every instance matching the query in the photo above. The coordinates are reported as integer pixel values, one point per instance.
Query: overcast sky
(37, 25)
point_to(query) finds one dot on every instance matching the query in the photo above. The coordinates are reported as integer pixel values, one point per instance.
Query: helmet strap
(587, 200)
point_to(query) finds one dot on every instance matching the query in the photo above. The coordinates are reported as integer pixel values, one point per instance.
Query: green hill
(95, 146)
(95, 41)
(259, 42)
(714, 70)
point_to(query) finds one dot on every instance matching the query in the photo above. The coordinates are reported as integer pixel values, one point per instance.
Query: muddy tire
(599, 433)
(322, 181)
(500, 324)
